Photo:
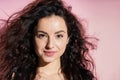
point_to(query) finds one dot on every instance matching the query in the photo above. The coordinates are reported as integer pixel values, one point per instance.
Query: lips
(49, 53)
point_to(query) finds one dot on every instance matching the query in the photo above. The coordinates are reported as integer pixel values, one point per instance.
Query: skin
(50, 42)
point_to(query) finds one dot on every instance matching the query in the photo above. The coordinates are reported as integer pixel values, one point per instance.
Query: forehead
(52, 23)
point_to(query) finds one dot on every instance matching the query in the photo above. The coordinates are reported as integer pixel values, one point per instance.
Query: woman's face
(51, 38)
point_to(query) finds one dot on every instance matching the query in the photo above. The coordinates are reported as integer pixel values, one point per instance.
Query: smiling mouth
(49, 53)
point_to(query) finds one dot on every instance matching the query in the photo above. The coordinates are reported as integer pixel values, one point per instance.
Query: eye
(59, 36)
(41, 36)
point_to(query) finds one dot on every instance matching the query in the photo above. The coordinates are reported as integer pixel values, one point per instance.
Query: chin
(48, 60)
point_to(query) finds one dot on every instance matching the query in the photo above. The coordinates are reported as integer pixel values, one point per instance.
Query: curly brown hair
(17, 53)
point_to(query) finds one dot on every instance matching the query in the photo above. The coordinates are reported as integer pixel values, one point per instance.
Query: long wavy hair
(18, 60)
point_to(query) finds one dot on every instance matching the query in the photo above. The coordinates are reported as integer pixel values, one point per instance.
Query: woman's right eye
(41, 36)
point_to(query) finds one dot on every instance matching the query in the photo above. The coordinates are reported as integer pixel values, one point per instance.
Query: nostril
(49, 44)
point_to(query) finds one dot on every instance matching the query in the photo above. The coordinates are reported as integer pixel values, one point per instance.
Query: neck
(50, 68)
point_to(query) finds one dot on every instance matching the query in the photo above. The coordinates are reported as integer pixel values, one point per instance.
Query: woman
(45, 41)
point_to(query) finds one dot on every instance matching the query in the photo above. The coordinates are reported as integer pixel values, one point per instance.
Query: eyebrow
(60, 32)
(55, 32)
(42, 32)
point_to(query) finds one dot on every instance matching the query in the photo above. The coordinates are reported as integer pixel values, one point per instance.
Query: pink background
(102, 18)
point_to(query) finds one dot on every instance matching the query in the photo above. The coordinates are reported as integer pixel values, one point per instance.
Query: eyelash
(41, 36)
(59, 36)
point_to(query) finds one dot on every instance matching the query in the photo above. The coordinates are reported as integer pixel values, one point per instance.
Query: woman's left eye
(59, 36)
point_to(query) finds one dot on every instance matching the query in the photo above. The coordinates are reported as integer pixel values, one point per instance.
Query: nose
(50, 43)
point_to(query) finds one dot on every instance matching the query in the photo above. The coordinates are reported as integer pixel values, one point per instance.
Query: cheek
(39, 46)
(62, 44)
